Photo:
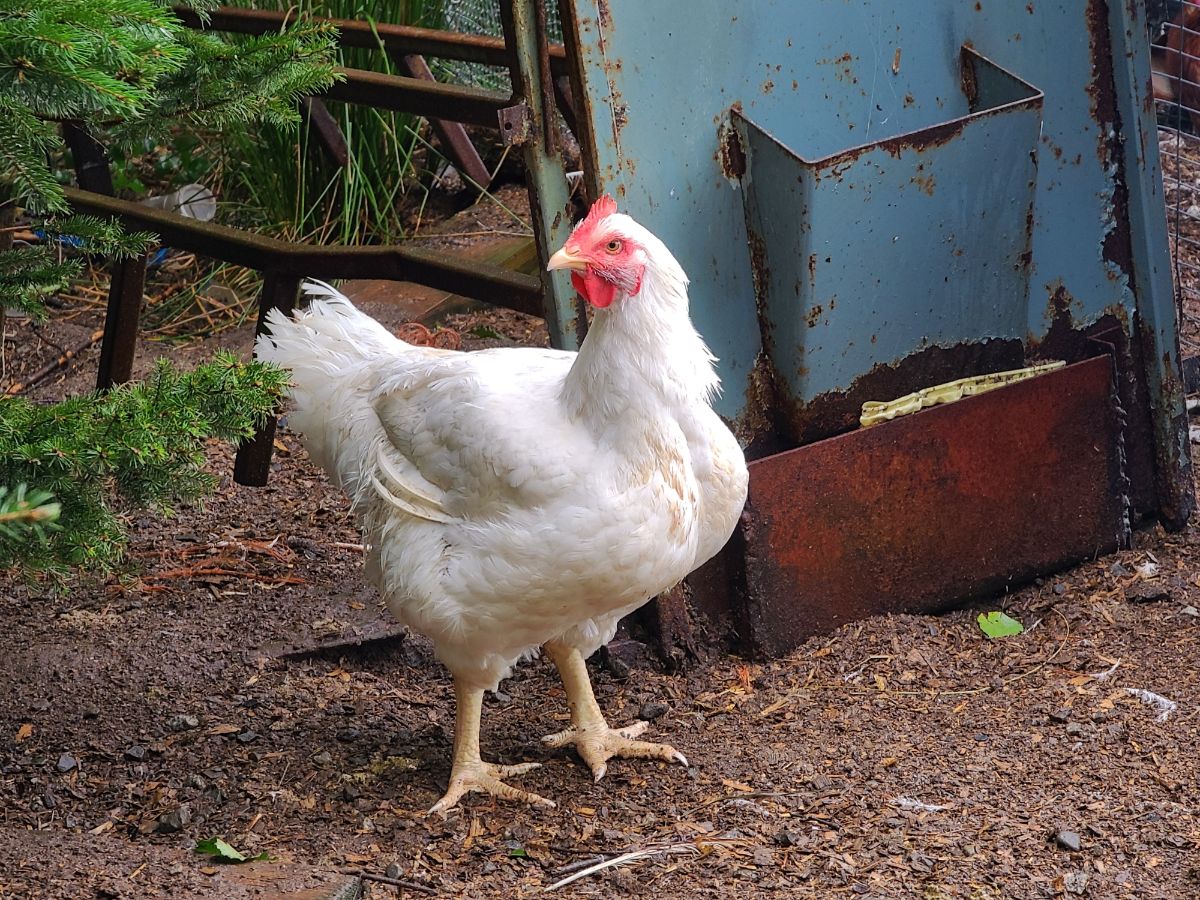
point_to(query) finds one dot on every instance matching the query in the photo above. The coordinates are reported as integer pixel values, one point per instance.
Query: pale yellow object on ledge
(874, 411)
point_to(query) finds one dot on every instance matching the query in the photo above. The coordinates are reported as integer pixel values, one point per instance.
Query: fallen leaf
(223, 852)
(224, 729)
(998, 625)
(737, 785)
(24, 732)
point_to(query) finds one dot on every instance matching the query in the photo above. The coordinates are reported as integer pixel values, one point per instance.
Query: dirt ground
(191, 698)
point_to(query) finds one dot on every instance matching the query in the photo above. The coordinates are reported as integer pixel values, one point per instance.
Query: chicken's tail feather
(334, 353)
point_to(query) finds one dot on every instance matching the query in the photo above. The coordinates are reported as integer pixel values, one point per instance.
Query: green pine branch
(138, 445)
(121, 70)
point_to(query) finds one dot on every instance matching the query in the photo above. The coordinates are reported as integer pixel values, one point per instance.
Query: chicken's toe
(597, 744)
(486, 778)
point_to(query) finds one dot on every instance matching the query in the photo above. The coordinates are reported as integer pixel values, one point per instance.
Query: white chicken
(521, 498)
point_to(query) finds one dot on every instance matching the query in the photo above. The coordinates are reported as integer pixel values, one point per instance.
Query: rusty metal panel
(932, 509)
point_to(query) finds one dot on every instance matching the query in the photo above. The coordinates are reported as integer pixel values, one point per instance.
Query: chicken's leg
(469, 772)
(589, 732)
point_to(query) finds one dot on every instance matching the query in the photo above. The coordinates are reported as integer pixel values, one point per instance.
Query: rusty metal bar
(549, 194)
(127, 276)
(453, 137)
(403, 39)
(1150, 274)
(121, 318)
(480, 281)
(90, 158)
(253, 462)
(324, 127)
(566, 101)
(545, 78)
(456, 102)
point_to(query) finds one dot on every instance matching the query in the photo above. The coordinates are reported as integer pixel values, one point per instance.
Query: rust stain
(731, 154)
(969, 85)
(813, 317)
(768, 86)
(924, 181)
(835, 412)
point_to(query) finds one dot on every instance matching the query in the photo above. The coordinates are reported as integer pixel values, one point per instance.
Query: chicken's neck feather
(642, 355)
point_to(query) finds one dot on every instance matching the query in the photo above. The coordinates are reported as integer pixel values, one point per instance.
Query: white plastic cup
(192, 200)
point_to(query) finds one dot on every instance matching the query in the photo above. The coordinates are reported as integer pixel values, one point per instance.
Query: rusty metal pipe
(480, 281)
(373, 36)
(121, 317)
(454, 102)
(253, 462)
(456, 143)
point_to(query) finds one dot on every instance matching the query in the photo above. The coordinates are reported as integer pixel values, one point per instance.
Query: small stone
(1118, 570)
(820, 782)
(196, 781)
(176, 820)
(1068, 840)
(1147, 592)
(785, 838)
(1061, 715)
(66, 763)
(1060, 589)
(135, 752)
(652, 710)
(247, 736)
(1076, 883)
(348, 734)
(763, 857)
(350, 793)
(182, 723)
(394, 870)
(1075, 729)
(40, 705)
(323, 758)
(91, 712)
(502, 698)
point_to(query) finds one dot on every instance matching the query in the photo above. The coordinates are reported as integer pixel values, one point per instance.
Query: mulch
(241, 680)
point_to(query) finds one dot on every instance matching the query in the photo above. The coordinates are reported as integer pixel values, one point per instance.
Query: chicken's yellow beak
(565, 259)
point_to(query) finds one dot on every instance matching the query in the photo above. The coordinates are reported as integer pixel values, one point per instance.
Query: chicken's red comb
(604, 207)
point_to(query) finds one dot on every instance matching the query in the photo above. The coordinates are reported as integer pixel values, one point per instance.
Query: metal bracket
(516, 124)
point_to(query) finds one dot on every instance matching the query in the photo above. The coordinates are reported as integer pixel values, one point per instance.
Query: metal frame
(539, 83)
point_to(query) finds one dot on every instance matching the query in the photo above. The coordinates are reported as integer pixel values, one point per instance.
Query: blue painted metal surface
(947, 209)
(663, 85)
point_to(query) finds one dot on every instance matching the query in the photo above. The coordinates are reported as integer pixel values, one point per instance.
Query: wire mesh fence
(483, 17)
(1175, 60)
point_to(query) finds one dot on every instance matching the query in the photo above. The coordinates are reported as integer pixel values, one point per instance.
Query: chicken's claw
(486, 778)
(598, 743)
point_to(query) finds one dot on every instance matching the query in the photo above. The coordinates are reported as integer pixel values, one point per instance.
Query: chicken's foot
(469, 772)
(590, 734)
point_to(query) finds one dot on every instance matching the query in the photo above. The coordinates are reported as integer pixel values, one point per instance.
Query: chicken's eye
(613, 246)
